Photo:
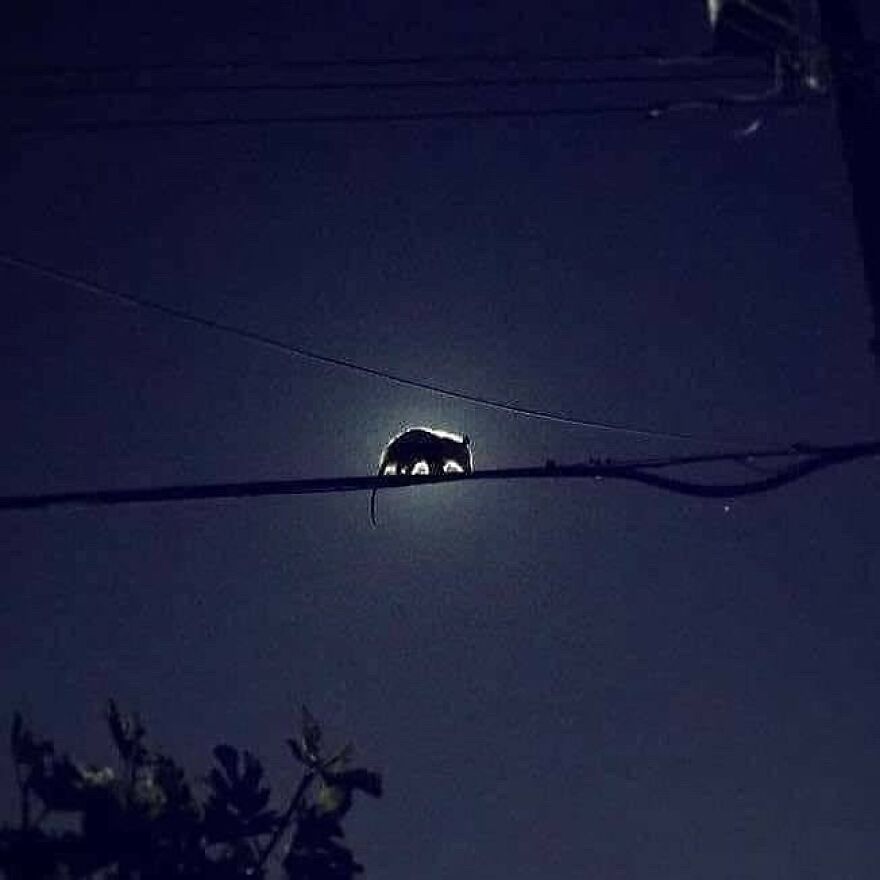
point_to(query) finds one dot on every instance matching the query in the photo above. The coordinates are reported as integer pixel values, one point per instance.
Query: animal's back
(425, 451)
(416, 440)
(434, 448)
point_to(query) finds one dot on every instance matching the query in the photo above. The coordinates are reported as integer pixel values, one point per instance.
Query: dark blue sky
(558, 680)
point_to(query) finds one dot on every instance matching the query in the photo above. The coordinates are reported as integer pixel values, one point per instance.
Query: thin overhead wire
(807, 463)
(647, 111)
(328, 360)
(376, 85)
(354, 62)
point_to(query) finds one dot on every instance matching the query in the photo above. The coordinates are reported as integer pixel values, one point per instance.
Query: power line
(818, 461)
(807, 463)
(471, 82)
(307, 354)
(794, 450)
(426, 60)
(644, 110)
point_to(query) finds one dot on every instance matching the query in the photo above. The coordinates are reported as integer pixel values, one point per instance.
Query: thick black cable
(308, 354)
(808, 463)
(812, 464)
(746, 456)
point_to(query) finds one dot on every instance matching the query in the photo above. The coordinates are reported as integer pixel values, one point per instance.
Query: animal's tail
(373, 521)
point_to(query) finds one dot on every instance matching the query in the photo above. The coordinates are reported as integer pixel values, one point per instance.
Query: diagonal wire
(308, 354)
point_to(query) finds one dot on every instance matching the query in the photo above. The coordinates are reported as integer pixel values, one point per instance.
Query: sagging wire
(808, 459)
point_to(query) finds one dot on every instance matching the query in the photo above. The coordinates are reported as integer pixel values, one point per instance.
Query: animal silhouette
(424, 451)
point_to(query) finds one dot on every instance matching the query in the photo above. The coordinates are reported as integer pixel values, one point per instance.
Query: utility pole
(855, 67)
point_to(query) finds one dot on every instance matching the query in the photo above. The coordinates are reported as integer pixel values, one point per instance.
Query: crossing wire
(318, 357)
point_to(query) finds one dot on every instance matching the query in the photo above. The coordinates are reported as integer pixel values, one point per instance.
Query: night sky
(558, 679)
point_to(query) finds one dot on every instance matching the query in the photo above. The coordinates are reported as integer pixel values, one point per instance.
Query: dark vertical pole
(854, 70)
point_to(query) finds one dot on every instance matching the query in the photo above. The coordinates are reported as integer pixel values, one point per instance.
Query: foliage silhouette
(144, 821)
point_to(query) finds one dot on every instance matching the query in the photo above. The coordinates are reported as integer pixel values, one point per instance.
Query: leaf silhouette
(147, 823)
(311, 734)
(27, 750)
(128, 733)
(238, 801)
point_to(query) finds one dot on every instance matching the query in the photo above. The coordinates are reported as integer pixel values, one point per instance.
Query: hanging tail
(373, 521)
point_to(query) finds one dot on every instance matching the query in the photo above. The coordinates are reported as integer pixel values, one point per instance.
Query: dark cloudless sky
(558, 680)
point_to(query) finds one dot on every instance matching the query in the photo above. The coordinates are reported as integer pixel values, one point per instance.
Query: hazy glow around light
(452, 467)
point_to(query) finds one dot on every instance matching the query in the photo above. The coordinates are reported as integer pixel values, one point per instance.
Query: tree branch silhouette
(147, 822)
